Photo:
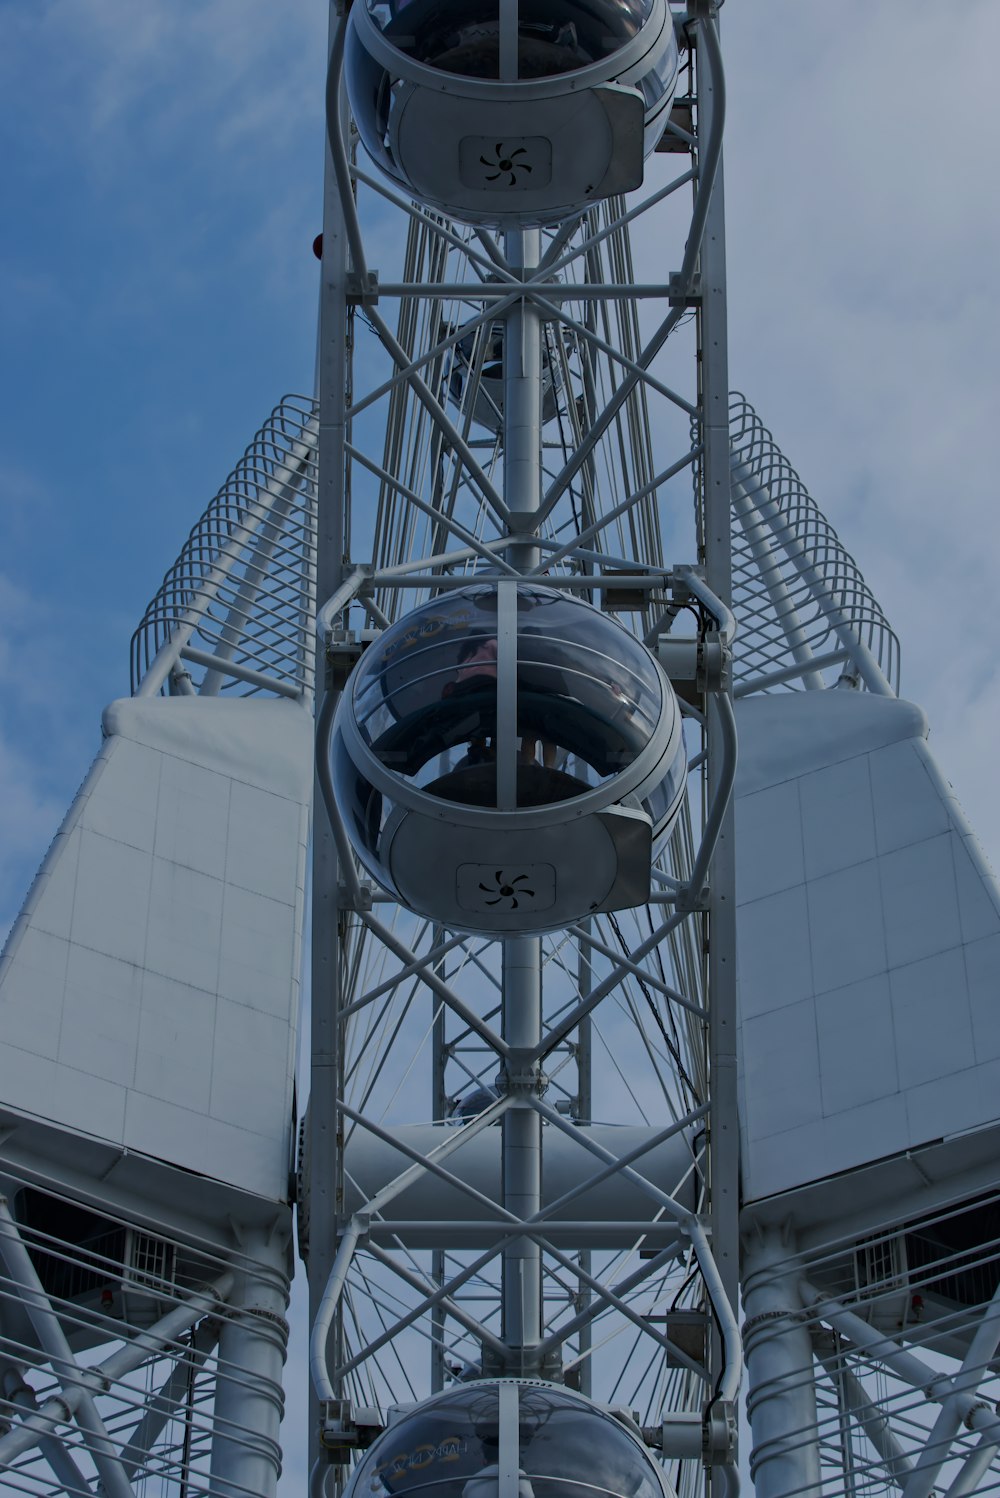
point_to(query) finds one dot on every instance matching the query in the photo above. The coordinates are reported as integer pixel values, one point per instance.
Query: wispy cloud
(864, 317)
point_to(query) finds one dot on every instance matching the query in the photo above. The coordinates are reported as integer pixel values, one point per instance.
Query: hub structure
(515, 691)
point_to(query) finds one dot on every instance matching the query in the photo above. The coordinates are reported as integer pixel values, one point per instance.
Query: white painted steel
(151, 983)
(416, 1001)
(865, 908)
(249, 1401)
(782, 1401)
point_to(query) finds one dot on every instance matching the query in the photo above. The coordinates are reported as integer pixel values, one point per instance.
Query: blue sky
(162, 186)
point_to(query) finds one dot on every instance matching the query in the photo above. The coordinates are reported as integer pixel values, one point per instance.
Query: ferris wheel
(516, 678)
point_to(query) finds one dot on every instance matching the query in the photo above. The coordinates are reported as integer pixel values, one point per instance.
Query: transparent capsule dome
(567, 1447)
(529, 40)
(509, 758)
(466, 706)
(478, 361)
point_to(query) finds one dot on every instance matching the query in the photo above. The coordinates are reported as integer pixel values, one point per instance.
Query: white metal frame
(399, 1006)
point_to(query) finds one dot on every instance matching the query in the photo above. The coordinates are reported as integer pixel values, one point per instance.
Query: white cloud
(865, 321)
(29, 817)
(123, 68)
(43, 742)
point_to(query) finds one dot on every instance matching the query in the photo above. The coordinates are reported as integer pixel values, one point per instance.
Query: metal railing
(237, 604)
(801, 600)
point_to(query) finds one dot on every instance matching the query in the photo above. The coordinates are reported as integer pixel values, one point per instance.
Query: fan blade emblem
(506, 889)
(507, 164)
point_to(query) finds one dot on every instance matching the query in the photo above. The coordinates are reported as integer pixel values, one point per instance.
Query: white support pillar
(249, 1402)
(522, 956)
(781, 1400)
(522, 1146)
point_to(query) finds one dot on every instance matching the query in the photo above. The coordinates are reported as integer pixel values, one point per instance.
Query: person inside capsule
(586, 702)
(476, 673)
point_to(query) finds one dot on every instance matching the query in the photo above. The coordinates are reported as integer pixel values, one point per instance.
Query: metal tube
(438, 415)
(912, 1370)
(755, 531)
(334, 375)
(584, 936)
(522, 404)
(521, 1167)
(610, 516)
(253, 577)
(904, 1365)
(721, 708)
(219, 667)
(323, 1319)
(573, 1231)
(614, 1296)
(723, 615)
(789, 673)
(585, 246)
(454, 1140)
(966, 1381)
(706, 250)
(868, 667)
(781, 1401)
(339, 599)
(257, 514)
(522, 1311)
(442, 989)
(56, 1410)
(558, 290)
(969, 1480)
(570, 1021)
(163, 1406)
(873, 1421)
(324, 777)
(53, 1448)
(76, 1382)
(415, 1312)
(487, 551)
(417, 1282)
(249, 1401)
(338, 154)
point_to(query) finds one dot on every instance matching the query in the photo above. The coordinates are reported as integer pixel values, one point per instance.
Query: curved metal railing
(801, 600)
(237, 606)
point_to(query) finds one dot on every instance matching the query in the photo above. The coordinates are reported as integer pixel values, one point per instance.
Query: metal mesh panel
(799, 596)
(240, 593)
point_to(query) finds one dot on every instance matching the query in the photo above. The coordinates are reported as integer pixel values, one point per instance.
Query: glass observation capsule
(511, 114)
(450, 1447)
(478, 363)
(508, 758)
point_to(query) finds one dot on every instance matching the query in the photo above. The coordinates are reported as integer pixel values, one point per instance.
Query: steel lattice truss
(894, 1340)
(111, 1379)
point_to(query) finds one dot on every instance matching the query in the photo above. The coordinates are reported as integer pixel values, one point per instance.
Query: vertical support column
(249, 1402)
(522, 403)
(585, 1113)
(333, 376)
(717, 560)
(522, 1145)
(522, 956)
(439, 1111)
(782, 1396)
